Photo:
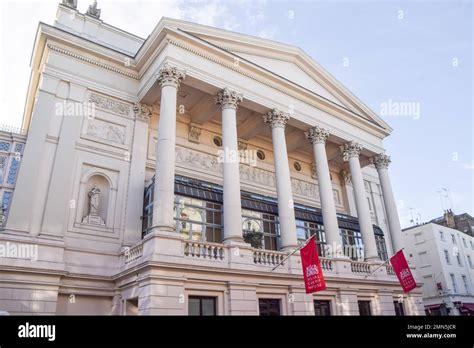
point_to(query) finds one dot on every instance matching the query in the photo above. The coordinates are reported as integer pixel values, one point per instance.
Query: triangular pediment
(287, 62)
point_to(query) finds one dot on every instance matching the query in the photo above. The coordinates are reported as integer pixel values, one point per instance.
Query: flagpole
(294, 251)
(383, 264)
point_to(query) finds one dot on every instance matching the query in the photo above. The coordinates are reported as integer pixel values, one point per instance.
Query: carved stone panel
(105, 130)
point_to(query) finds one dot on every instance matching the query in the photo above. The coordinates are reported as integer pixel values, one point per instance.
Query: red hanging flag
(404, 275)
(313, 275)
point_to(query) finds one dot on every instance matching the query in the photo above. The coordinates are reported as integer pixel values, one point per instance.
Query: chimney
(449, 216)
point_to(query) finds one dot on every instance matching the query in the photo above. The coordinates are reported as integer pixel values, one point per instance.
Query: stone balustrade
(390, 270)
(326, 264)
(360, 267)
(132, 254)
(268, 257)
(204, 250)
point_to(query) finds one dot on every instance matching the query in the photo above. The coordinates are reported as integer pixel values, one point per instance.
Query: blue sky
(414, 52)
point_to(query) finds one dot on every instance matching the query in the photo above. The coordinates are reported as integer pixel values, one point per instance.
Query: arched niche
(103, 215)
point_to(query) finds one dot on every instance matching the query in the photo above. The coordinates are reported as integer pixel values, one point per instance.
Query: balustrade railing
(132, 254)
(266, 257)
(212, 251)
(360, 267)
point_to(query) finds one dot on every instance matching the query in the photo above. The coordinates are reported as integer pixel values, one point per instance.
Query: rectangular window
(464, 242)
(269, 306)
(352, 244)
(441, 235)
(453, 238)
(202, 306)
(322, 308)
(265, 225)
(453, 284)
(458, 257)
(364, 308)
(381, 247)
(423, 258)
(446, 256)
(418, 237)
(399, 310)
(198, 220)
(306, 229)
(469, 261)
(466, 284)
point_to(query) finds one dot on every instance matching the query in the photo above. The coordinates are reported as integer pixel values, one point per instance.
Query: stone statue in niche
(93, 217)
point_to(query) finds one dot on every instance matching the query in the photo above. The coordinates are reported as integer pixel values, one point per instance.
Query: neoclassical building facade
(174, 174)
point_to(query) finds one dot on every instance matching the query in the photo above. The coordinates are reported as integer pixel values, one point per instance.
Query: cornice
(83, 58)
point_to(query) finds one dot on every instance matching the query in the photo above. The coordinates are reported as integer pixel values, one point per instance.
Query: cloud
(212, 13)
(468, 166)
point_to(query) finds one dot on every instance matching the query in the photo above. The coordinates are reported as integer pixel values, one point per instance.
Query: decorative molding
(276, 118)
(317, 135)
(142, 111)
(227, 98)
(350, 149)
(208, 163)
(314, 175)
(106, 130)
(194, 133)
(105, 103)
(381, 161)
(242, 145)
(91, 61)
(170, 76)
(346, 177)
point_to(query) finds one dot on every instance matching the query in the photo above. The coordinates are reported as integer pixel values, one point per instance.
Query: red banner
(313, 275)
(400, 266)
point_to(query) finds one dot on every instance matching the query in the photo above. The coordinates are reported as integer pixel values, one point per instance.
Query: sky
(411, 62)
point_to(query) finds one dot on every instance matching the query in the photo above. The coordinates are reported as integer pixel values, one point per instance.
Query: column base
(162, 231)
(236, 242)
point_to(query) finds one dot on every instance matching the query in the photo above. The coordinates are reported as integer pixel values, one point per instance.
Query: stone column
(169, 79)
(136, 183)
(229, 156)
(286, 213)
(318, 136)
(350, 152)
(381, 162)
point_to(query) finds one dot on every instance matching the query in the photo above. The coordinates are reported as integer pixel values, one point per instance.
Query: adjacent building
(174, 174)
(444, 260)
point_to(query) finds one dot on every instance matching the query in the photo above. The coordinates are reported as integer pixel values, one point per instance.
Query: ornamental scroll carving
(209, 163)
(109, 104)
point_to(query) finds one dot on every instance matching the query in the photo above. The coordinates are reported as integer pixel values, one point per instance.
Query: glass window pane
(193, 307)
(208, 306)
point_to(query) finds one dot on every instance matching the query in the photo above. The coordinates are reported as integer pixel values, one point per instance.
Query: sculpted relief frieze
(106, 130)
(109, 104)
(208, 163)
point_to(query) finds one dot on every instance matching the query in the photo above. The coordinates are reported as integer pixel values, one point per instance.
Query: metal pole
(383, 264)
(294, 251)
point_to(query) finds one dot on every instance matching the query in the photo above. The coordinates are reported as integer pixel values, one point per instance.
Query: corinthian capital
(142, 111)
(350, 149)
(380, 161)
(227, 98)
(276, 118)
(317, 135)
(170, 76)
